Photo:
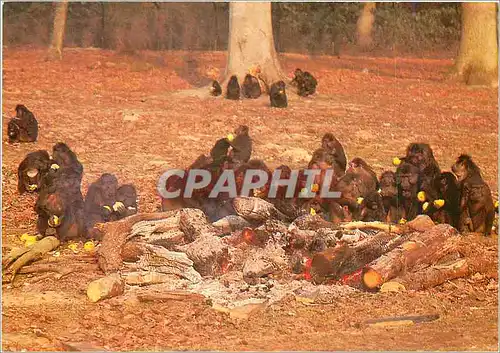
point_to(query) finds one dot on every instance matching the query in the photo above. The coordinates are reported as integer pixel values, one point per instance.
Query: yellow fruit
(421, 196)
(32, 187)
(89, 246)
(359, 200)
(24, 237)
(54, 166)
(315, 188)
(73, 247)
(312, 211)
(438, 203)
(230, 137)
(402, 221)
(496, 204)
(425, 206)
(56, 254)
(107, 207)
(396, 161)
(30, 240)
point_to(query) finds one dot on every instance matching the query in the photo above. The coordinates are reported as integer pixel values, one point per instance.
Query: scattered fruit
(421, 196)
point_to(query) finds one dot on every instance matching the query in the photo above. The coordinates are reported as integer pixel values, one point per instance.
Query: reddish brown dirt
(376, 106)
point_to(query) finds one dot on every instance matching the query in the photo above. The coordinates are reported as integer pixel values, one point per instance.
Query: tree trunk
(251, 44)
(477, 61)
(422, 249)
(365, 25)
(55, 50)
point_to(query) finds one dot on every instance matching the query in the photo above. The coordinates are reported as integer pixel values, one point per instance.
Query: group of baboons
(303, 80)
(60, 206)
(459, 197)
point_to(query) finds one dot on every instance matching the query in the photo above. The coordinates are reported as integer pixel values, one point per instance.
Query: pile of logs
(184, 243)
(261, 242)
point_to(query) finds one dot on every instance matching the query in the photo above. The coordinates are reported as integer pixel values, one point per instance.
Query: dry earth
(118, 114)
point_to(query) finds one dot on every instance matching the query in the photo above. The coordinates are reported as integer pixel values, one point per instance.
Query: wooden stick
(386, 227)
(170, 295)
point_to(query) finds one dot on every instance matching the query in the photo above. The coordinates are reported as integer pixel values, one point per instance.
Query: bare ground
(119, 115)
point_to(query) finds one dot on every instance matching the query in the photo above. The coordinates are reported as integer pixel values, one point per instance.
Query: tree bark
(422, 249)
(251, 44)
(477, 61)
(365, 25)
(56, 46)
(341, 262)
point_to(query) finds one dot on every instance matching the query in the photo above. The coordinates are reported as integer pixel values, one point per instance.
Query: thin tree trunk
(477, 61)
(55, 50)
(251, 43)
(365, 25)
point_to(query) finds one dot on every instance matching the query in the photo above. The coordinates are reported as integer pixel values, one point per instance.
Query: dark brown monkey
(126, 202)
(477, 210)
(233, 88)
(277, 95)
(253, 164)
(241, 146)
(389, 192)
(24, 127)
(333, 146)
(306, 83)
(351, 189)
(251, 87)
(366, 173)
(407, 179)
(219, 152)
(215, 89)
(59, 214)
(421, 156)
(100, 199)
(446, 208)
(372, 207)
(32, 170)
(326, 160)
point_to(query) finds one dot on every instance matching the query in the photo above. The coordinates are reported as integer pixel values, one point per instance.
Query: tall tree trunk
(365, 25)
(251, 44)
(477, 61)
(55, 49)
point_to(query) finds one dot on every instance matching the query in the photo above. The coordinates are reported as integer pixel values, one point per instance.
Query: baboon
(251, 87)
(306, 83)
(407, 178)
(233, 88)
(100, 200)
(32, 170)
(477, 210)
(330, 143)
(24, 127)
(277, 95)
(241, 146)
(215, 89)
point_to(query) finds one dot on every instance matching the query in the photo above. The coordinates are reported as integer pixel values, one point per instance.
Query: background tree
(251, 43)
(477, 61)
(365, 25)
(56, 46)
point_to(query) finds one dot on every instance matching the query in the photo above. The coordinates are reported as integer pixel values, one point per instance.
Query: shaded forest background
(314, 28)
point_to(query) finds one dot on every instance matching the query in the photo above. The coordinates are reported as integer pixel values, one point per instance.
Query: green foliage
(298, 27)
(432, 26)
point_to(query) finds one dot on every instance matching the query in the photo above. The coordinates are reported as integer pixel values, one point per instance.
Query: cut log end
(372, 279)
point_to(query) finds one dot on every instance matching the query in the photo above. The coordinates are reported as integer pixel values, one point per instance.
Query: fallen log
(52, 267)
(209, 254)
(105, 287)
(340, 261)
(401, 320)
(257, 209)
(422, 248)
(115, 235)
(19, 258)
(434, 275)
(420, 224)
(170, 295)
(156, 258)
(194, 223)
